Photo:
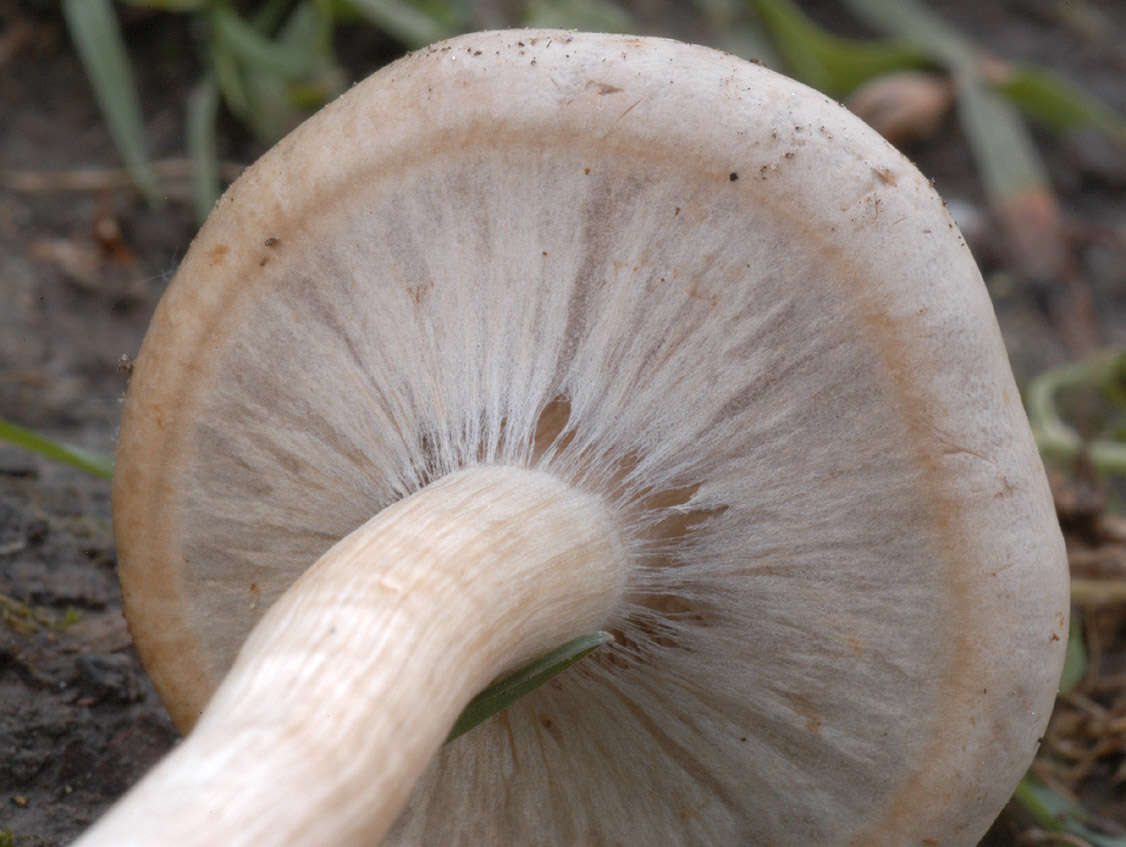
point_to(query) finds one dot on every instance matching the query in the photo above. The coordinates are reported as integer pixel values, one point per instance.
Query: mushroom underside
(821, 535)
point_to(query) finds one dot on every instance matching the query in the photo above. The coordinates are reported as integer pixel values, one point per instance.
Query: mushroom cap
(698, 289)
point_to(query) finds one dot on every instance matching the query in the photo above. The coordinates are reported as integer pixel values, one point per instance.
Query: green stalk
(91, 461)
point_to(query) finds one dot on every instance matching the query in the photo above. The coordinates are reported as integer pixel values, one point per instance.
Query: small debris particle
(676, 211)
(545, 252)
(272, 241)
(603, 87)
(519, 43)
(125, 364)
(733, 176)
(1055, 637)
(788, 154)
(743, 739)
(586, 171)
(885, 176)
(265, 260)
(418, 292)
(20, 800)
(546, 723)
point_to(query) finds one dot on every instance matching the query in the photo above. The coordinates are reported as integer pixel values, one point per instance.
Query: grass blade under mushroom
(490, 701)
(524, 681)
(491, 553)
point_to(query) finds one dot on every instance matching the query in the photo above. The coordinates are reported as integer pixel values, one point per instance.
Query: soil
(81, 271)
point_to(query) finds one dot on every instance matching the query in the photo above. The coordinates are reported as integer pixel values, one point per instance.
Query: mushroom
(536, 332)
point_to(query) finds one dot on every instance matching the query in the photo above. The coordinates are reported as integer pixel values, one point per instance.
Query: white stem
(349, 684)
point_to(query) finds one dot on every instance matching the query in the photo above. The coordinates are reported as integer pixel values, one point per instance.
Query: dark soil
(81, 271)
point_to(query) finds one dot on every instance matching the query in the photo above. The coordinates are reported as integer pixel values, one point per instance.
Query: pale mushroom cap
(846, 602)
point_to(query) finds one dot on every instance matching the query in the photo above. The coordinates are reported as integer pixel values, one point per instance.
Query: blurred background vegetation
(264, 65)
(273, 62)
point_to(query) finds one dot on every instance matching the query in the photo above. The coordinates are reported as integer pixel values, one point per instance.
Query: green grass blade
(747, 39)
(270, 14)
(828, 62)
(256, 50)
(1042, 95)
(1056, 103)
(97, 38)
(1002, 146)
(1075, 657)
(729, 28)
(512, 688)
(913, 22)
(203, 111)
(719, 12)
(402, 21)
(171, 5)
(1007, 160)
(276, 102)
(1058, 439)
(91, 461)
(227, 73)
(310, 28)
(588, 15)
(1015, 179)
(1056, 813)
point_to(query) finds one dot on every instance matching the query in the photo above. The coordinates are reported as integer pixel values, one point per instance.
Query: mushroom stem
(350, 683)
